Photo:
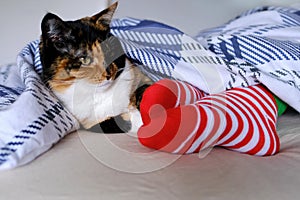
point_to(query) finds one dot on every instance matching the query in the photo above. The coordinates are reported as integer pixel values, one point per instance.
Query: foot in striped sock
(166, 94)
(179, 118)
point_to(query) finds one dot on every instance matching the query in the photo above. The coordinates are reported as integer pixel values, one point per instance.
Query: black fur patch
(113, 125)
(113, 53)
(139, 95)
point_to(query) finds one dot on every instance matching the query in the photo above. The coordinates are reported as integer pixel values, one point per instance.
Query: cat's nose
(73, 65)
(76, 65)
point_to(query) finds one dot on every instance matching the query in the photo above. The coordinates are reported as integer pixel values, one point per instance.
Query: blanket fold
(259, 46)
(31, 117)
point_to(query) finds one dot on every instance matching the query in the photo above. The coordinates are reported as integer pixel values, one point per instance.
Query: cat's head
(84, 48)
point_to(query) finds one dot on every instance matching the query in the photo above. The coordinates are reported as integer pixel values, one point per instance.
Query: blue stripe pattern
(49, 120)
(148, 43)
(260, 43)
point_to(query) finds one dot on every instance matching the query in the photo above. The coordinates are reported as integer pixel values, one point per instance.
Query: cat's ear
(102, 20)
(52, 25)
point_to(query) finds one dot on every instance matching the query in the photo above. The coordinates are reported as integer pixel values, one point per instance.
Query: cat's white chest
(91, 103)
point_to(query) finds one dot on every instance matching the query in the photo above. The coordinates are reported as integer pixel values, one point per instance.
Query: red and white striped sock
(179, 118)
(168, 94)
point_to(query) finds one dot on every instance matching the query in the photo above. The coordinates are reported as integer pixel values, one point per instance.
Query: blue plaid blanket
(259, 46)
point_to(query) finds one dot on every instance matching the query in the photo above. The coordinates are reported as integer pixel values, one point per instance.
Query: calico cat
(86, 68)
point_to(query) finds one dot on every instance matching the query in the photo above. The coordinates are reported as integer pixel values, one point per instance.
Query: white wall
(191, 15)
(20, 20)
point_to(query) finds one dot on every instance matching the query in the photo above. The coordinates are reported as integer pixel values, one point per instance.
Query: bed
(85, 165)
(89, 165)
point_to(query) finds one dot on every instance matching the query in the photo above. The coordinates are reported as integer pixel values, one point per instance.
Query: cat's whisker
(121, 69)
(128, 79)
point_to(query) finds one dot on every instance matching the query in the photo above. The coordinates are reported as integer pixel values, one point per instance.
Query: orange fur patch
(94, 73)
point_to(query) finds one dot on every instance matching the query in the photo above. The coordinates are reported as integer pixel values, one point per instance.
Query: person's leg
(241, 119)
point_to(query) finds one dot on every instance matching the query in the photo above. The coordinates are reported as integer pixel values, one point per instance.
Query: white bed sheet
(86, 165)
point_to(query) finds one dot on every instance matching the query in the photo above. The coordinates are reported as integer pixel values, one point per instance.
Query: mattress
(88, 165)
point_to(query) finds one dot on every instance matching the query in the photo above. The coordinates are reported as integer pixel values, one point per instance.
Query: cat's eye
(59, 44)
(85, 60)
